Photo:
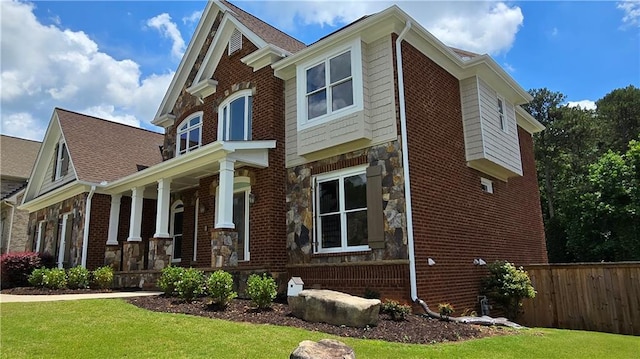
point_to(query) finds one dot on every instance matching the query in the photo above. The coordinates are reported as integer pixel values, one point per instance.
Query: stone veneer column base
(160, 252)
(133, 256)
(224, 244)
(113, 256)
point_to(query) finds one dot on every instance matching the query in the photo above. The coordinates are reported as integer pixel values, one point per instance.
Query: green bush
(262, 290)
(78, 278)
(36, 278)
(397, 311)
(220, 288)
(55, 278)
(102, 277)
(169, 279)
(507, 286)
(191, 285)
(445, 309)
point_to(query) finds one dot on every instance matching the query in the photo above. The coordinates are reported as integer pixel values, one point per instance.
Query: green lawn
(112, 328)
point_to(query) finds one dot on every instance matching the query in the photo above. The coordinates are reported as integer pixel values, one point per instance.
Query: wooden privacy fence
(602, 297)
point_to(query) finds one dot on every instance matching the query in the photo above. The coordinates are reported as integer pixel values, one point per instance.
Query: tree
(619, 111)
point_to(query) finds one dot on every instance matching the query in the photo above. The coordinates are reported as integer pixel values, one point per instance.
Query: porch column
(162, 211)
(224, 215)
(114, 220)
(135, 225)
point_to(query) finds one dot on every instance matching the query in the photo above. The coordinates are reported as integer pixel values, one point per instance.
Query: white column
(224, 217)
(114, 219)
(162, 209)
(135, 225)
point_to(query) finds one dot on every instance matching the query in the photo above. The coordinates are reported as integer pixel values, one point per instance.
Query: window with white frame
(61, 161)
(234, 117)
(501, 114)
(330, 86)
(189, 134)
(341, 211)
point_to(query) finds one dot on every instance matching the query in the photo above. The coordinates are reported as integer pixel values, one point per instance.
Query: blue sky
(115, 60)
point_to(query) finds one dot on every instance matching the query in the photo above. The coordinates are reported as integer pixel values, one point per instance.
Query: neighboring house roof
(267, 32)
(17, 156)
(102, 150)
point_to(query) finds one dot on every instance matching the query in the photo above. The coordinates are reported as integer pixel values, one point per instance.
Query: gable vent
(235, 42)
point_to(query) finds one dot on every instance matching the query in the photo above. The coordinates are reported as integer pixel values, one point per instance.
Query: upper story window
(341, 211)
(60, 161)
(189, 134)
(234, 117)
(501, 114)
(330, 86)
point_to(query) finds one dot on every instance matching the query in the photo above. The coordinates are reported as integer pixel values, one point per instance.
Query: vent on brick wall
(235, 42)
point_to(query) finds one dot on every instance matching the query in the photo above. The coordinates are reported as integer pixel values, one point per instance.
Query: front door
(177, 216)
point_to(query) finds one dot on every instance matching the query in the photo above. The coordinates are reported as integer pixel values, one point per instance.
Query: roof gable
(219, 19)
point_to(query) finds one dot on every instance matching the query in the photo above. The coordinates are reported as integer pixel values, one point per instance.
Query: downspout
(13, 211)
(405, 163)
(85, 232)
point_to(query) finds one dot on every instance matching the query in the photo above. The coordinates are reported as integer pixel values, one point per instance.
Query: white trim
(247, 191)
(338, 175)
(62, 234)
(41, 227)
(187, 129)
(87, 222)
(355, 47)
(176, 207)
(135, 223)
(162, 208)
(114, 219)
(223, 124)
(526, 121)
(502, 114)
(235, 42)
(486, 185)
(195, 230)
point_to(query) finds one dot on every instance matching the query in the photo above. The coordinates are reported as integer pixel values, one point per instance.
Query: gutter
(405, 163)
(85, 234)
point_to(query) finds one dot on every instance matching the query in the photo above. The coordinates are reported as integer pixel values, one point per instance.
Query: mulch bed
(415, 329)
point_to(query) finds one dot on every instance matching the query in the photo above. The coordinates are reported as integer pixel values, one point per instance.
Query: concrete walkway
(10, 298)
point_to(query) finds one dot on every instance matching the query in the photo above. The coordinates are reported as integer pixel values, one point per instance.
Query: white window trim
(486, 185)
(41, 227)
(355, 46)
(63, 239)
(59, 157)
(502, 116)
(187, 129)
(240, 184)
(340, 175)
(247, 120)
(174, 210)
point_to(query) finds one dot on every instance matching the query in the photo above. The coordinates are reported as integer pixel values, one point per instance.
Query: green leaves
(507, 286)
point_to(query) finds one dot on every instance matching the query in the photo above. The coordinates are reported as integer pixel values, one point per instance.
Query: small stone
(324, 349)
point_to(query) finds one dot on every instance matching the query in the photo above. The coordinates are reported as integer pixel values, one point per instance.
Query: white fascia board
(57, 195)
(64, 140)
(487, 66)
(188, 60)
(40, 167)
(219, 45)
(527, 122)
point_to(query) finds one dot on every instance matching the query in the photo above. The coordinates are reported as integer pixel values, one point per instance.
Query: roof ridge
(234, 8)
(108, 121)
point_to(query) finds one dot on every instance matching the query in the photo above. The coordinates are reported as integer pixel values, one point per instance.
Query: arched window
(234, 117)
(189, 134)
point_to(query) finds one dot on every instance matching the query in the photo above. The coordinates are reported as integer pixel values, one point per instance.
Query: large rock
(328, 306)
(324, 349)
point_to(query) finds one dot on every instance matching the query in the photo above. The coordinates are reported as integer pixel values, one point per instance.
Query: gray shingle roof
(17, 156)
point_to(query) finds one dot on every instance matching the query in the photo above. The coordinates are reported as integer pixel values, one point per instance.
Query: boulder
(324, 349)
(328, 306)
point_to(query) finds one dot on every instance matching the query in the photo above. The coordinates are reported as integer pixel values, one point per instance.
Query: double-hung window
(341, 211)
(330, 86)
(234, 117)
(501, 115)
(189, 134)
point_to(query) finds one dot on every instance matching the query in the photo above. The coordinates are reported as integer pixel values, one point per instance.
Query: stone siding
(224, 244)
(160, 252)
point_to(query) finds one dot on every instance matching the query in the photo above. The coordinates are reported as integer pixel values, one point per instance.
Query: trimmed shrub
(220, 288)
(262, 290)
(169, 279)
(16, 268)
(397, 311)
(102, 277)
(508, 286)
(78, 278)
(191, 284)
(55, 278)
(36, 278)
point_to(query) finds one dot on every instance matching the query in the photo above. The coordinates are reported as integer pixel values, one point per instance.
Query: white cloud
(23, 125)
(193, 18)
(631, 12)
(583, 104)
(169, 29)
(65, 68)
(507, 66)
(479, 26)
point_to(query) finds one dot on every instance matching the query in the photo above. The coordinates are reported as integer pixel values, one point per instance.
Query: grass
(112, 328)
